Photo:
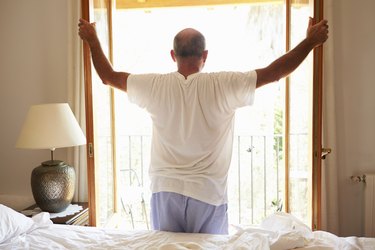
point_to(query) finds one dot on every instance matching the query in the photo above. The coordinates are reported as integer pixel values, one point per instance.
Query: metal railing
(256, 181)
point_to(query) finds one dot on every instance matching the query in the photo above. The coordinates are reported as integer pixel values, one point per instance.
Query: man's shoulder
(142, 77)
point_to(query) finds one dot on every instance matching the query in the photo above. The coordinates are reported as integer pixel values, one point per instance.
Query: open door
(303, 102)
(99, 120)
(304, 89)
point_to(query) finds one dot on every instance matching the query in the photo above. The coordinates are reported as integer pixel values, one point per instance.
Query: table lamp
(51, 126)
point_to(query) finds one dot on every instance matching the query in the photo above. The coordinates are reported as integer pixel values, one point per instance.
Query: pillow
(12, 223)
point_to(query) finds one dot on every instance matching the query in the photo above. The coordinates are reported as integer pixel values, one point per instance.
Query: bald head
(189, 42)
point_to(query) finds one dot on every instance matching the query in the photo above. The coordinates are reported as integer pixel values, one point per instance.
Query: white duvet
(279, 231)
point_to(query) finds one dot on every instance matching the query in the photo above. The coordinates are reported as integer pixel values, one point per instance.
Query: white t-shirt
(193, 122)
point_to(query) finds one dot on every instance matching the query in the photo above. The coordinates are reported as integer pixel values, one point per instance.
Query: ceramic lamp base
(52, 185)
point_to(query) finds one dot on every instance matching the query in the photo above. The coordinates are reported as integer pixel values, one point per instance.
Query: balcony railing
(256, 181)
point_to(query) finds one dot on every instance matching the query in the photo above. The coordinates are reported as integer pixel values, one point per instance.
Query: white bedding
(279, 231)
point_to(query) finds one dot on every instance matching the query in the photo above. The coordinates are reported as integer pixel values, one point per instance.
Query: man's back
(192, 128)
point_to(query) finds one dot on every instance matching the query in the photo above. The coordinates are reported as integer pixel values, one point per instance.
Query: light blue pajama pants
(178, 213)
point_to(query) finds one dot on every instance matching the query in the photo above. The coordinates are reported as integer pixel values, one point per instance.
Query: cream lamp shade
(50, 126)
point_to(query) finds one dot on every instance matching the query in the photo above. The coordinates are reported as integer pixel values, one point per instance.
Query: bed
(278, 231)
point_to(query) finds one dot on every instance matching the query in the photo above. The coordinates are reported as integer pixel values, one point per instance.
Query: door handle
(91, 150)
(325, 152)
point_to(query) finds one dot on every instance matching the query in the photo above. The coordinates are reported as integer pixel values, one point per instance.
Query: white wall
(354, 74)
(33, 70)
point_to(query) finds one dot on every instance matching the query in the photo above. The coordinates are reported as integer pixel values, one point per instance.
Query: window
(271, 163)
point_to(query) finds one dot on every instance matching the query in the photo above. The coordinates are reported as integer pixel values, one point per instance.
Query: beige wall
(33, 69)
(354, 74)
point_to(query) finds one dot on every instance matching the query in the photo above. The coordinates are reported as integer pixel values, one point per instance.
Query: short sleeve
(139, 88)
(238, 88)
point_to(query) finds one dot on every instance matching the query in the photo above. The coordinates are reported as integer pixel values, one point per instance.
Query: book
(78, 218)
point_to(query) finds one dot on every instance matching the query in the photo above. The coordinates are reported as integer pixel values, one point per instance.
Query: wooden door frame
(86, 14)
(317, 125)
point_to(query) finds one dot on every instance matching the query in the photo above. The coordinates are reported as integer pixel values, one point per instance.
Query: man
(193, 116)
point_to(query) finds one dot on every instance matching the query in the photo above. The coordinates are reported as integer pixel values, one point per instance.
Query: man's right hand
(102, 66)
(317, 33)
(87, 31)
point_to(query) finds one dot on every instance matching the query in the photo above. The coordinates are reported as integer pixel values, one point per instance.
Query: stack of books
(80, 219)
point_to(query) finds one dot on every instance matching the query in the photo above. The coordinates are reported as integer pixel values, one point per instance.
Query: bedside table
(80, 218)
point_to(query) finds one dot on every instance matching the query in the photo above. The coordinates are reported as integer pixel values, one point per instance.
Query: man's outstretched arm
(316, 35)
(102, 66)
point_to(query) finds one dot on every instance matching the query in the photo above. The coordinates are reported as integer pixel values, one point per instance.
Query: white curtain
(330, 207)
(76, 97)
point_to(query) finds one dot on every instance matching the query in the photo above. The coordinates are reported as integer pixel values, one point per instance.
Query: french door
(300, 125)
(306, 122)
(99, 120)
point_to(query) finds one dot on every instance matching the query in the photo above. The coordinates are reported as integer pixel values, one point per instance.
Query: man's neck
(187, 73)
(189, 67)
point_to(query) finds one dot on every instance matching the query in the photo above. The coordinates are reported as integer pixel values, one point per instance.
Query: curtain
(330, 207)
(76, 98)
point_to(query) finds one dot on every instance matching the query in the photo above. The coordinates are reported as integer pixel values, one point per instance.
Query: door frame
(317, 125)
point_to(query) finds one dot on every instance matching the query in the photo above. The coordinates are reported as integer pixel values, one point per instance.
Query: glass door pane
(300, 119)
(103, 148)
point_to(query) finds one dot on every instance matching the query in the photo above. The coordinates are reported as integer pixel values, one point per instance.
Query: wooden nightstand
(80, 218)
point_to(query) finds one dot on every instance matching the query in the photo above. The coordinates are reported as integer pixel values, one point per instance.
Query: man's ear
(204, 55)
(173, 55)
